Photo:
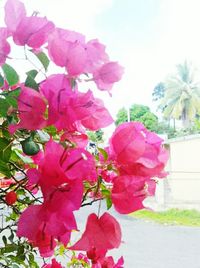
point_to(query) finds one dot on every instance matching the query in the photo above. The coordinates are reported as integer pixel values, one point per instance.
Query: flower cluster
(61, 170)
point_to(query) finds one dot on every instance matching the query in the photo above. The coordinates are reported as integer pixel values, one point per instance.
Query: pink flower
(32, 31)
(46, 244)
(127, 143)
(81, 140)
(27, 226)
(72, 110)
(14, 12)
(4, 45)
(102, 233)
(107, 75)
(33, 177)
(82, 257)
(137, 151)
(154, 158)
(56, 88)
(54, 264)
(107, 175)
(41, 226)
(95, 255)
(60, 173)
(97, 115)
(67, 49)
(96, 55)
(68, 196)
(60, 168)
(31, 107)
(50, 172)
(129, 192)
(79, 164)
(37, 157)
(108, 262)
(6, 86)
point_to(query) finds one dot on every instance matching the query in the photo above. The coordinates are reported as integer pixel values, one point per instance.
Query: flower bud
(11, 198)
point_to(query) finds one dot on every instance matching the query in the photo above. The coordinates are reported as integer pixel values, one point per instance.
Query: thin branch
(34, 65)
(18, 168)
(87, 192)
(7, 227)
(90, 203)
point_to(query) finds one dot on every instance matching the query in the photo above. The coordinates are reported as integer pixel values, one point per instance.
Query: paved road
(150, 245)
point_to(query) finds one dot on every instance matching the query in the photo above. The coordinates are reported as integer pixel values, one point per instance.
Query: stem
(14, 165)
(99, 208)
(7, 227)
(34, 65)
(87, 192)
(90, 203)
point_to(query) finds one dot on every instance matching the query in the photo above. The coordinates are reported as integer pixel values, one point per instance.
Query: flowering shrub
(46, 173)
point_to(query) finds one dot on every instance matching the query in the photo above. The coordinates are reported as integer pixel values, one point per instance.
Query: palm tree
(182, 95)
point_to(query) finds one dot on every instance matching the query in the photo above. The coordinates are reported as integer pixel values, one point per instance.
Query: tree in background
(181, 99)
(141, 113)
(96, 136)
(158, 92)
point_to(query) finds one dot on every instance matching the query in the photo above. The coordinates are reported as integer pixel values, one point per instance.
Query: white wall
(181, 189)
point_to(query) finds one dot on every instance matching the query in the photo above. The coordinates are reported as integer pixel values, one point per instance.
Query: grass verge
(170, 217)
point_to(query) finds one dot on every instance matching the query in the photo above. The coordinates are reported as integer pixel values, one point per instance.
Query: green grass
(170, 217)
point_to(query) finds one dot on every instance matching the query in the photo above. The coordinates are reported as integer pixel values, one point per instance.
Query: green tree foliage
(159, 91)
(122, 116)
(96, 136)
(139, 113)
(181, 100)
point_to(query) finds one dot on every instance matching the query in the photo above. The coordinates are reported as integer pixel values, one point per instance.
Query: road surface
(150, 245)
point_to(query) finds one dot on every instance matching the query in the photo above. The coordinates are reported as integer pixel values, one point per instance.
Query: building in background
(181, 188)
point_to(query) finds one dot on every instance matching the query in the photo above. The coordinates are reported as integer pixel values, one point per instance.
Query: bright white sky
(147, 37)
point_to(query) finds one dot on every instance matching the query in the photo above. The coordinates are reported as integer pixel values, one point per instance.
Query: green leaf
(1, 80)
(5, 132)
(103, 152)
(61, 250)
(4, 240)
(4, 105)
(12, 97)
(10, 248)
(33, 73)
(12, 217)
(20, 250)
(106, 192)
(16, 155)
(51, 130)
(42, 57)
(20, 192)
(30, 80)
(44, 60)
(11, 237)
(8, 99)
(31, 257)
(108, 202)
(10, 74)
(15, 266)
(5, 149)
(4, 169)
